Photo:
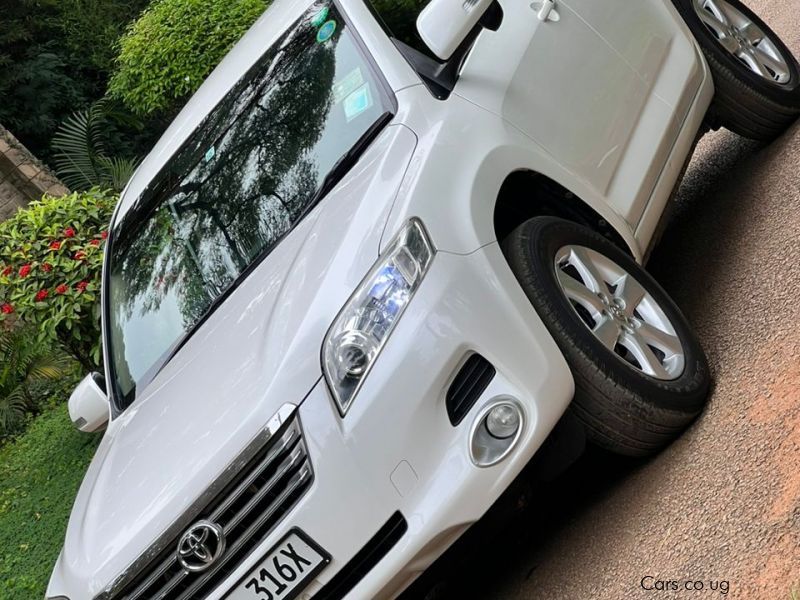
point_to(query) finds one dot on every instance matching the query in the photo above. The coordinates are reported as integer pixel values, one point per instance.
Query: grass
(40, 472)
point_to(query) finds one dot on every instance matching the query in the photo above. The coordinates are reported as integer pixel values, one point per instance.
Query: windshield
(241, 182)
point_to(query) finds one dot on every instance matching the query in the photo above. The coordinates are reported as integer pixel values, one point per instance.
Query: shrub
(56, 56)
(173, 46)
(26, 367)
(37, 90)
(51, 257)
(91, 29)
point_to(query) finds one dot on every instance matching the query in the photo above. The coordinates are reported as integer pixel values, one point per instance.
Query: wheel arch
(525, 194)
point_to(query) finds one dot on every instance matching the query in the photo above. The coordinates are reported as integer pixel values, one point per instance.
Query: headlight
(364, 324)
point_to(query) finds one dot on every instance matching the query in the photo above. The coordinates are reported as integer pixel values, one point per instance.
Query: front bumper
(396, 449)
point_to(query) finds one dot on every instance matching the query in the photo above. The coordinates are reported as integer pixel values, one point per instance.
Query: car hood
(259, 350)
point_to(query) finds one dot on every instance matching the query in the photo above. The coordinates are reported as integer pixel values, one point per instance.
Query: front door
(584, 85)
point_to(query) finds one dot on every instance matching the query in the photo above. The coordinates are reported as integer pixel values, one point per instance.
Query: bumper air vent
(471, 381)
(365, 560)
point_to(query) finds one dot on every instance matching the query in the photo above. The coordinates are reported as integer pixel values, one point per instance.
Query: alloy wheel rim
(621, 314)
(744, 40)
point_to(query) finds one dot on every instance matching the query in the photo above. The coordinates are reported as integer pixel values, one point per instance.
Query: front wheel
(641, 377)
(756, 76)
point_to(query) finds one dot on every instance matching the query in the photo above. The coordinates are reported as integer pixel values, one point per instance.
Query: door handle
(545, 10)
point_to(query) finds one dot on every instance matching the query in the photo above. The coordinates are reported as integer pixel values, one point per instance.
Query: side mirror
(444, 24)
(88, 404)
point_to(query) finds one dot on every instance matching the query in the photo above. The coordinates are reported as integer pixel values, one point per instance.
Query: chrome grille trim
(283, 443)
(156, 575)
(297, 455)
(164, 589)
(299, 479)
(248, 500)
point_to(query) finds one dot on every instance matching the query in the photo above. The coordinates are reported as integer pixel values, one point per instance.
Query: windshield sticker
(347, 85)
(326, 31)
(210, 153)
(318, 19)
(357, 102)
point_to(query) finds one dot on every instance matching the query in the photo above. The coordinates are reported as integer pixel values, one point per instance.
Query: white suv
(378, 259)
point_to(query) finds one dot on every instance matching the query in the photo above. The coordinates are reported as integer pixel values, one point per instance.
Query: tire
(745, 102)
(622, 408)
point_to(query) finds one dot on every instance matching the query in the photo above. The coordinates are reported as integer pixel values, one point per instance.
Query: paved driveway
(721, 507)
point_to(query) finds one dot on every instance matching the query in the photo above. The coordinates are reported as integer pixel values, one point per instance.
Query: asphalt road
(721, 506)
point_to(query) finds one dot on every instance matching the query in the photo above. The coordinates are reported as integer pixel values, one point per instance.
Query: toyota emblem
(201, 546)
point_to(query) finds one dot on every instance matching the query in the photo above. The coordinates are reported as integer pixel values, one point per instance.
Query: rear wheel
(640, 375)
(757, 79)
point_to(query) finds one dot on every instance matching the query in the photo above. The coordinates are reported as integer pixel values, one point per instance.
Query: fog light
(495, 431)
(503, 421)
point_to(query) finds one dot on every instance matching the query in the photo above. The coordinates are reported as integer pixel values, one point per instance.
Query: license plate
(285, 571)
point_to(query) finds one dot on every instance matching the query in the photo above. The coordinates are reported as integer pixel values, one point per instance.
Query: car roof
(265, 32)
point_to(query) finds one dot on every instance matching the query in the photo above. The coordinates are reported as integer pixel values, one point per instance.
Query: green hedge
(51, 256)
(173, 46)
(39, 476)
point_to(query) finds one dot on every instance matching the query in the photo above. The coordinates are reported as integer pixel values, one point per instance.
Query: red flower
(7, 271)
(41, 295)
(62, 289)
(46, 267)
(94, 243)
(80, 255)
(104, 235)
(81, 287)
(69, 232)
(55, 245)
(25, 271)
(6, 309)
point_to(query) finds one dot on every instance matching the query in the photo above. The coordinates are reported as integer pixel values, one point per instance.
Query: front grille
(471, 381)
(259, 493)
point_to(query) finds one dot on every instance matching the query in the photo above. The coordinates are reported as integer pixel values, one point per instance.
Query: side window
(399, 18)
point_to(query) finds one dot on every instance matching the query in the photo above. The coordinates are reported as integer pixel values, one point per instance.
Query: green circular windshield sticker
(320, 17)
(326, 31)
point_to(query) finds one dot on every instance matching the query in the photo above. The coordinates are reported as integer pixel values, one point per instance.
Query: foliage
(173, 46)
(55, 56)
(92, 28)
(81, 158)
(51, 257)
(39, 475)
(37, 88)
(24, 365)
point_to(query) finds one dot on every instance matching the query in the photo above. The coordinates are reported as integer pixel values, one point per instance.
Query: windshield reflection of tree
(254, 185)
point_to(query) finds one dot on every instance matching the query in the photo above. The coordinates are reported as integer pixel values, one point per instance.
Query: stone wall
(22, 177)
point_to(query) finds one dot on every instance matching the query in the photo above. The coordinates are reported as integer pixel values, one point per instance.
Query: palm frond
(13, 407)
(77, 144)
(116, 171)
(25, 365)
(80, 154)
(47, 366)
